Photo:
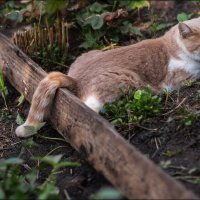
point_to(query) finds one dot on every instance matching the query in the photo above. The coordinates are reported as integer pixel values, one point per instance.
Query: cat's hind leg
(42, 100)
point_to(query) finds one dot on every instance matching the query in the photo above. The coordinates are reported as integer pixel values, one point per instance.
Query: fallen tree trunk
(125, 167)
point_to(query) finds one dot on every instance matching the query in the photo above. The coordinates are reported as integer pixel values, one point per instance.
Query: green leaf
(197, 180)
(135, 31)
(54, 161)
(188, 122)
(19, 120)
(161, 27)
(2, 193)
(31, 178)
(133, 107)
(31, 129)
(11, 161)
(106, 193)
(129, 28)
(13, 16)
(68, 164)
(47, 191)
(21, 100)
(182, 17)
(97, 7)
(131, 5)
(117, 121)
(139, 4)
(20, 16)
(138, 94)
(165, 164)
(34, 129)
(156, 27)
(28, 143)
(92, 40)
(2, 83)
(96, 22)
(51, 160)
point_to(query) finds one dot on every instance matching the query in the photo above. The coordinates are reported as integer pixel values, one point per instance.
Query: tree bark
(124, 166)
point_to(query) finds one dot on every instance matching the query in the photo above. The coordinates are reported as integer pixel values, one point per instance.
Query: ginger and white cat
(99, 77)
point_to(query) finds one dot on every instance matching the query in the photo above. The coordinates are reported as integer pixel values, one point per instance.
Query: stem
(50, 138)
(4, 99)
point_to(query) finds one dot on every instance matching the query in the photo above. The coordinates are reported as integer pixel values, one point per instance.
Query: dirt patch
(172, 138)
(79, 182)
(164, 139)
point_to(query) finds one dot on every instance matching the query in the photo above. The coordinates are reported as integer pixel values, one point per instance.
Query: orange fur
(98, 77)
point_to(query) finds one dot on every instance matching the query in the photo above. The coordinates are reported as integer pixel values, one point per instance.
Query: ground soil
(164, 138)
(79, 182)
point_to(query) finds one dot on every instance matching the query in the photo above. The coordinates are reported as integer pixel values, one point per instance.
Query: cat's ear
(184, 30)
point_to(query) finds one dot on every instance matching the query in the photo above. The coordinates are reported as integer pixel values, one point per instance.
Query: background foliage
(92, 24)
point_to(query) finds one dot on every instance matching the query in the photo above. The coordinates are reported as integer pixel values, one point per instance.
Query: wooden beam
(124, 166)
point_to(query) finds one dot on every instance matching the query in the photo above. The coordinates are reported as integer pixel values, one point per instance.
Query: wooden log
(124, 166)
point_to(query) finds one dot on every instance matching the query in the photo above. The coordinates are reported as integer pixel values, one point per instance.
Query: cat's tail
(42, 100)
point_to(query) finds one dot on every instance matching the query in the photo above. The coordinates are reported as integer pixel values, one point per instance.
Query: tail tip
(22, 131)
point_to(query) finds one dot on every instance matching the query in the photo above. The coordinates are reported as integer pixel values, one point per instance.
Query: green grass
(16, 182)
(133, 107)
(3, 88)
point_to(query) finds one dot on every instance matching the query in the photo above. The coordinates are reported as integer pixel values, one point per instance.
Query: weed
(188, 83)
(21, 100)
(3, 88)
(131, 5)
(96, 23)
(187, 116)
(198, 95)
(19, 120)
(5, 114)
(127, 28)
(184, 17)
(15, 185)
(170, 153)
(18, 183)
(95, 28)
(197, 181)
(134, 107)
(92, 40)
(165, 164)
(156, 27)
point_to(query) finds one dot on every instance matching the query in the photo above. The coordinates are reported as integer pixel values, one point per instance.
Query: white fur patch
(21, 131)
(93, 103)
(187, 61)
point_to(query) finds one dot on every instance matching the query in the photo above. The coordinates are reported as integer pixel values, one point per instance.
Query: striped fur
(42, 100)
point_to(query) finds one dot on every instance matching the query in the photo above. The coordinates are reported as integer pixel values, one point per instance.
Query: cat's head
(189, 37)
